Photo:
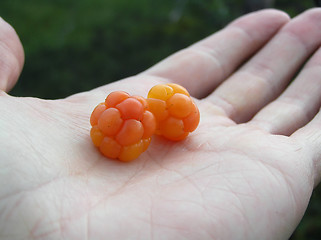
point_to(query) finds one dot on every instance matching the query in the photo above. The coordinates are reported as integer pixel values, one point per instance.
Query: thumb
(11, 56)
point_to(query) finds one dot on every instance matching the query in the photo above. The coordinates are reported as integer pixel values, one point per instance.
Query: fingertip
(271, 16)
(9, 33)
(316, 10)
(314, 15)
(11, 56)
(309, 17)
(262, 24)
(275, 13)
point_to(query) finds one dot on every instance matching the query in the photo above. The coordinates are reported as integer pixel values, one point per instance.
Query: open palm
(247, 172)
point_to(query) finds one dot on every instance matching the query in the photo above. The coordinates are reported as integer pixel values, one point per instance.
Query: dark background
(77, 45)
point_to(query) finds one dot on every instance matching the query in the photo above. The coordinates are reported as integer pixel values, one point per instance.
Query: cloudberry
(122, 126)
(175, 112)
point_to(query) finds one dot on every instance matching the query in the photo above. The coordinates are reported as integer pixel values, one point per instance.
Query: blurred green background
(77, 45)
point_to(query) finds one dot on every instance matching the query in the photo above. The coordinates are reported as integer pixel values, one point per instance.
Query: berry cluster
(123, 125)
(175, 112)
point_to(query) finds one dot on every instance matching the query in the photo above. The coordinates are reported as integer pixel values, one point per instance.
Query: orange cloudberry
(175, 112)
(122, 126)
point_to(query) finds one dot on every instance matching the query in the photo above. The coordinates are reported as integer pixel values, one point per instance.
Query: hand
(247, 172)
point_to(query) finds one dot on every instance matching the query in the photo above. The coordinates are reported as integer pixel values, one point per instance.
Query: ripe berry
(175, 112)
(122, 126)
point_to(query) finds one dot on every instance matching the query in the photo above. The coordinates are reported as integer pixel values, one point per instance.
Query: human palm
(247, 172)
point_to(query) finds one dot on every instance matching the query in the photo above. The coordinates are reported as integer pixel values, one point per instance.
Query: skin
(247, 172)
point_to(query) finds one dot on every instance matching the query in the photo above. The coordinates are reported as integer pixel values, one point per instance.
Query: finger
(297, 105)
(11, 56)
(266, 75)
(309, 138)
(204, 65)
